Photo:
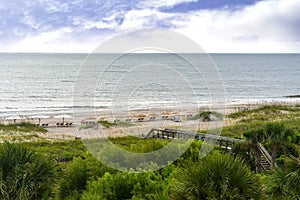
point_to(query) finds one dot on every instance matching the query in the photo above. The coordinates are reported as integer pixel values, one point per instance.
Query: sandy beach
(137, 122)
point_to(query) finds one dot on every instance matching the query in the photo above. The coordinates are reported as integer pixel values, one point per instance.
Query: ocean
(46, 83)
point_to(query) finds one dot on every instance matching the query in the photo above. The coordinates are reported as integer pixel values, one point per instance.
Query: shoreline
(91, 129)
(286, 100)
(107, 114)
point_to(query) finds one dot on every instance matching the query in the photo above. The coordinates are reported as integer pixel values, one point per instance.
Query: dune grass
(108, 124)
(267, 113)
(21, 127)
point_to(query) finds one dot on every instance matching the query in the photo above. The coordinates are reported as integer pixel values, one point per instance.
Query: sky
(218, 26)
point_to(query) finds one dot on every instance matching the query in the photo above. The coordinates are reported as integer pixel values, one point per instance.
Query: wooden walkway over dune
(224, 142)
(174, 133)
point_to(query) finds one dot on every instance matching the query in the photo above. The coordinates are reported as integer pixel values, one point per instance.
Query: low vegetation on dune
(256, 119)
(20, 132)
(21, 127)
(207, 116)
(117, 123)
(67, 170)
(267, 113)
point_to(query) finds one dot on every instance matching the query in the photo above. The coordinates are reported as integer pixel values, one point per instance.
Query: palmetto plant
(274, 135)
(284, 183)
(24, 174)
(217, 177)
(277, 136)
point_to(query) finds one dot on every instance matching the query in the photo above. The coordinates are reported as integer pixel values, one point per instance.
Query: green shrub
(24, 174)
(75, 180)
(78, 173)
(217, 177)
(284, 182)
(127, 186)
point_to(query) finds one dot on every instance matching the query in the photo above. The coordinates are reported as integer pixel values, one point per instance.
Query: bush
(78, 173)
(217, 177)
(24, 174)
(284, 182)
(75, 180)
(127, 186)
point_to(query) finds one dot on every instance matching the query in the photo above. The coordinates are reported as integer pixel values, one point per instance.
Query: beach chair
(152, 118)
(177, 119)
(61, 124)
(141, 119)
(70, 124)
(57, 124)
(67, 124)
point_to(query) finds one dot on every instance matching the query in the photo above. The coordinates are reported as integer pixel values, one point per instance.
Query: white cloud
(268, 26)
(30, 21)
(18, 33)
(55, 6)
(52, 41)
(109, 23)
(100, 25)
(135, 19)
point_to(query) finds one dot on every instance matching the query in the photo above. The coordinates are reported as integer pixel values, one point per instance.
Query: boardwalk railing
(266, 159)
(224, 142)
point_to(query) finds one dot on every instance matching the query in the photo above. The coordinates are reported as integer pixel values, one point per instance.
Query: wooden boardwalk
(224, 142)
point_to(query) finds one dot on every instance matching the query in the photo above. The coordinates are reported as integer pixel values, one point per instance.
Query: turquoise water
(36, 83)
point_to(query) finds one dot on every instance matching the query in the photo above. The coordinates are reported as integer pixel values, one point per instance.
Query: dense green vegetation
(284, 182)
(24, 174)
(66, 170)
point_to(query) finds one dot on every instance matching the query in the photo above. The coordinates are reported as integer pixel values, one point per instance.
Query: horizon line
(150, 53)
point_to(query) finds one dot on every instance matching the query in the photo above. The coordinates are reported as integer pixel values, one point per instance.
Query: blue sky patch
(208, 4)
